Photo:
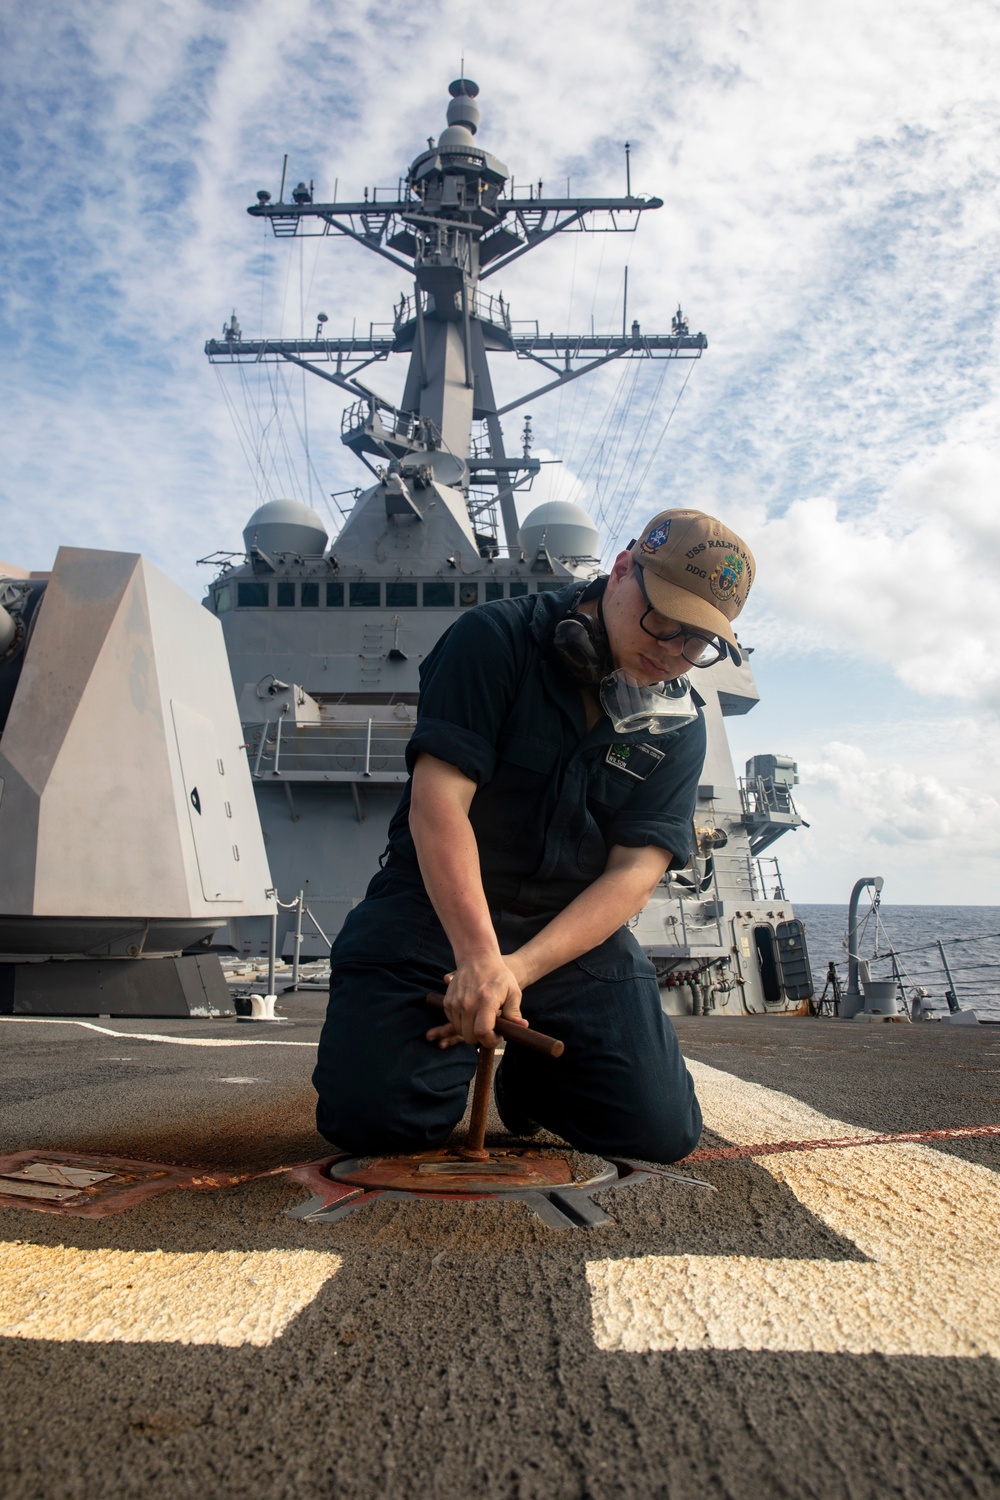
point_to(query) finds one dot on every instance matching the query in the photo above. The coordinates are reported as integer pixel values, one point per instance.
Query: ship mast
(452, 225)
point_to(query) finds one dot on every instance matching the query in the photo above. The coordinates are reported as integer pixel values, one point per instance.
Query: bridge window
(401, 595)
(439, 595)
(494, 590)
(309, 596)
(366, 595)
(334, 595)
(223, 599)
(546, 585)
(252, 595)
(517, 589)
(286, 596)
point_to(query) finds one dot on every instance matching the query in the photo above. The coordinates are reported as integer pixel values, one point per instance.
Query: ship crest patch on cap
(725, 580)
(656, 537)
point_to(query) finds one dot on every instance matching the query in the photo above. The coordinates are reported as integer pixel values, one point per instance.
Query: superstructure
(325, 640)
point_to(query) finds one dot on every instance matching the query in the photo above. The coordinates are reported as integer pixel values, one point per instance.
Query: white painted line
(153, 1036)
(226, 1297)
(926, 1221)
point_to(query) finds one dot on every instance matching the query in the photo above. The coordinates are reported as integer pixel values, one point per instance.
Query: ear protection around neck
(580, 644)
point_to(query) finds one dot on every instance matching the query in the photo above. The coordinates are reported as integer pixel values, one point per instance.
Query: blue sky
(831, 223)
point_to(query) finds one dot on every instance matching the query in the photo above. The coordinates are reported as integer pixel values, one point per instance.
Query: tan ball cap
(696, 570)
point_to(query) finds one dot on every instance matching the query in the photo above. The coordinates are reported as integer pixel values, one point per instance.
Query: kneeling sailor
(553, 775)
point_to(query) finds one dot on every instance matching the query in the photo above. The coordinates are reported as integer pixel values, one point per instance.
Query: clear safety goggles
(633, 707)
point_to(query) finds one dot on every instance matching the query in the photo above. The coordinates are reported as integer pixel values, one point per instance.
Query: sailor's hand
(478, 991)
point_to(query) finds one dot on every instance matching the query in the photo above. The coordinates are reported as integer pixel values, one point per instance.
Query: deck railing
(336, 750)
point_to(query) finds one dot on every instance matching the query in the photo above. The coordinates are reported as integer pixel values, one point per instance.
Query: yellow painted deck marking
(927, 1221)
(228, 1297)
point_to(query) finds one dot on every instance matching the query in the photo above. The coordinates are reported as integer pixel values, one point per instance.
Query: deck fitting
(62, 1182)
(540, 1178)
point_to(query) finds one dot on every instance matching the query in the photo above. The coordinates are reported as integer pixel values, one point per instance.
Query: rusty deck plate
(445, 1171)
(61, 1182)
(541, 1179)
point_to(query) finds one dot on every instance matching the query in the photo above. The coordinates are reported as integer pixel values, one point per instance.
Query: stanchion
(272, 945)
(298, 940)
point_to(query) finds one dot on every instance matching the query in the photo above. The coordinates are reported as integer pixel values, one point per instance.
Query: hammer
(474, 1149)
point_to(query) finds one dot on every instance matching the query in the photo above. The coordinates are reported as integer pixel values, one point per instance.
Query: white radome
(283, 526)
(564, 530)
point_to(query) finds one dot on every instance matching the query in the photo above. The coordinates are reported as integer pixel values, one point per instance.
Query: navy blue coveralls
(551, 800)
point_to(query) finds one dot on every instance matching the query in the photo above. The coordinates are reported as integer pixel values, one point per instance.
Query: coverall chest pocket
(515, 797)
(609, 787)
(607, 790)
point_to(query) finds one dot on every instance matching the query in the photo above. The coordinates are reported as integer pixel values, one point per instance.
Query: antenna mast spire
(455, 222)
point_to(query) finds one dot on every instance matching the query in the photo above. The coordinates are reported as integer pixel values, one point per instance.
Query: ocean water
(970, 936)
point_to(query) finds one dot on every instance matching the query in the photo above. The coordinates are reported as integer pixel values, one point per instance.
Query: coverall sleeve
(467, 686)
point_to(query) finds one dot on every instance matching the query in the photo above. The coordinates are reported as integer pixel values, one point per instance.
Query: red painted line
(891, 1138)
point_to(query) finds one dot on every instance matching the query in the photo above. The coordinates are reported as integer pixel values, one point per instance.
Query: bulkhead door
(767, 963)
(204, 785)
(793, 961)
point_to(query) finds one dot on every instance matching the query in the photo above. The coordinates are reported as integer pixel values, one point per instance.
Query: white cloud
(826, 213)
(831, 221)
(910, 799)
(897, 806)
(912, 581)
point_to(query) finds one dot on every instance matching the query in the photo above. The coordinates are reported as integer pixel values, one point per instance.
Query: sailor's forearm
(449, 863)
(481, 986)
(448, 856)
(591, 917)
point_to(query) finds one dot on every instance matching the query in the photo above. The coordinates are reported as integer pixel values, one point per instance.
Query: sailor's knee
(360, 1126)
(355, 1110)
(365, 1110)
(364, 1123)
(673, 1134)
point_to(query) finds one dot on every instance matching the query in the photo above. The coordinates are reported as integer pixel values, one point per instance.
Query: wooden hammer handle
(523, 1035)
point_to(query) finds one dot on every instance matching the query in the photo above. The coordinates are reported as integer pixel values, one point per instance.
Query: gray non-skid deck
(436, 1349)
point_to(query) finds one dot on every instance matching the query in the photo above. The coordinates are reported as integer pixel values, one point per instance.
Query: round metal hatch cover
(443, 1171)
